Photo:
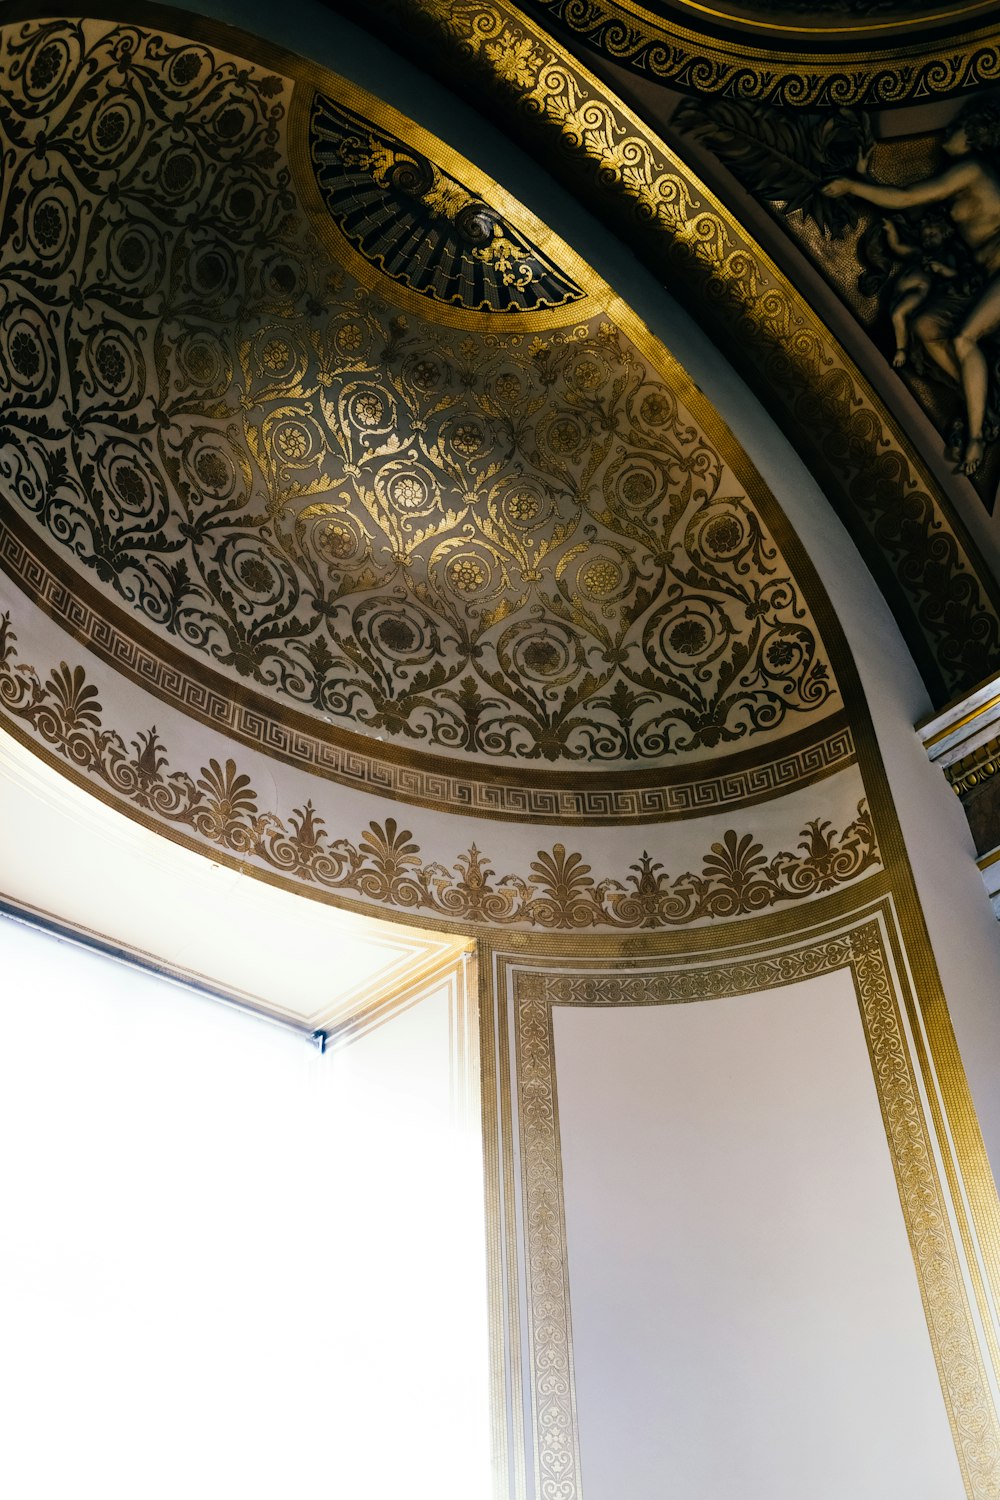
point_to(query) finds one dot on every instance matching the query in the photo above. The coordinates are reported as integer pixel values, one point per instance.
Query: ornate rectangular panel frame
(939, 1166)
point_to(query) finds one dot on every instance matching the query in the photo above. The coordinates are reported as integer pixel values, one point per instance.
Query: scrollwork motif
(510, 546)
(938, 587)
(694, 59)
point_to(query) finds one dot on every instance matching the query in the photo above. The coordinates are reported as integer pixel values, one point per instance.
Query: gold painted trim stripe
(805, 28)
(957, 724)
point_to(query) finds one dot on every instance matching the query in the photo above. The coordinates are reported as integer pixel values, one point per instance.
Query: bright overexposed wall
(230, 1266)
(747, 1322)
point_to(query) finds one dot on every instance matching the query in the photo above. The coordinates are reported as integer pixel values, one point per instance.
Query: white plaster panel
(747, 1322)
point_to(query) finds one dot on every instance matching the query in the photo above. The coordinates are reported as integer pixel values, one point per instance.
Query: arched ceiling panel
(334, 481)
(319, 428)
(942, 592)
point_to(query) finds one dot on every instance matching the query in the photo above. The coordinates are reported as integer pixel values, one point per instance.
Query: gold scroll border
(604, 152)
(941, 12)
(772, 69)
(518, 1060)
(401, 772)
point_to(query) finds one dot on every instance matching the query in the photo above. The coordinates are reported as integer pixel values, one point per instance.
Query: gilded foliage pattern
(219, 805)
(939, 588)
(498, 543)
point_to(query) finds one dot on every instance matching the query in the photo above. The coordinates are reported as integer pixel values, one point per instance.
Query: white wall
(230, 1266)
(747, 1323)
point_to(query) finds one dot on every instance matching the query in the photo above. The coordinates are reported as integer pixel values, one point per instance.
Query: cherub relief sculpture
(928, 265)
(957, 313)
(924, 265)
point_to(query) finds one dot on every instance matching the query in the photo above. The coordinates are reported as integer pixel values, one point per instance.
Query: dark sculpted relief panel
(909, 231)
(475, 538)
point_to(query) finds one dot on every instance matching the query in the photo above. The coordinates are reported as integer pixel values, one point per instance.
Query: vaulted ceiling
(339, 488)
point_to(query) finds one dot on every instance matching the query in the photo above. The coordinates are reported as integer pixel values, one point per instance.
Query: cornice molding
(706, 51)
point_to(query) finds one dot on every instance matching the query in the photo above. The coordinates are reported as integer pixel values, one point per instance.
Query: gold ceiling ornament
(478, 534)
(942, 593)
(793, 60)
(217, 807)
(352, 760)
(419, 224)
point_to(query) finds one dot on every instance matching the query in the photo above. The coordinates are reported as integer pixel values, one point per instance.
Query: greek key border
(642, 797)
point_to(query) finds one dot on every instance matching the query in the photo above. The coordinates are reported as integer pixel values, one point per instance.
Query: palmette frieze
(59, 710)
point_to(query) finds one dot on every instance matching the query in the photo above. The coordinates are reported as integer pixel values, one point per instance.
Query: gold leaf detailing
(560, 891)
(478, 544)
(960, 1366)
(940, 590)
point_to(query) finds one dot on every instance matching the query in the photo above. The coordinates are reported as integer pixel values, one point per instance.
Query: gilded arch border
(892, 60)
(937, 584)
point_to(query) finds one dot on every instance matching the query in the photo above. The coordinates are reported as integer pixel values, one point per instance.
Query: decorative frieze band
(638, 797)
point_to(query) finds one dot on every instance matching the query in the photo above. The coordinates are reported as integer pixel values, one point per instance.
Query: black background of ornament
(420, 226)
(198, 410)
